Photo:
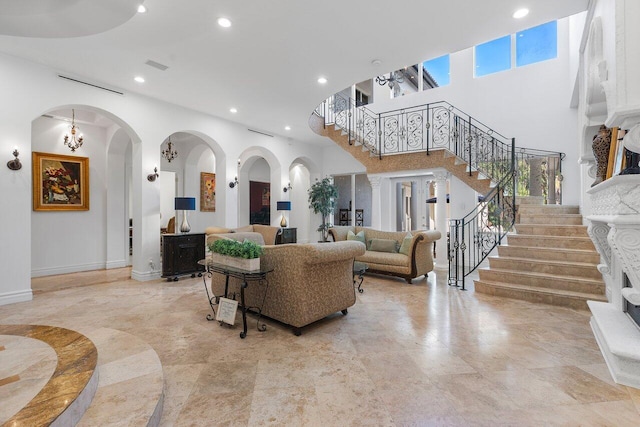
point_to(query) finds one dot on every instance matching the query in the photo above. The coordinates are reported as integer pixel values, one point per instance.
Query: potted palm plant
(322, 199)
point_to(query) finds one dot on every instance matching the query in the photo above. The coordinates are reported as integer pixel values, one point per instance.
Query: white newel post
(442, 262)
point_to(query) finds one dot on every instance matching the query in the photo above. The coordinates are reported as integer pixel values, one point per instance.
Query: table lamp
(283, 206)
(185, 204)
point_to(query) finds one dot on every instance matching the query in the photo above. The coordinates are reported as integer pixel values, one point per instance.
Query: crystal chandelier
(75, 140)
(169, 154)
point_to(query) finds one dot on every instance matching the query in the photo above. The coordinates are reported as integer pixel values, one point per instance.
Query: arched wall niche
(108, 144)
(247, 160)
(302, 172)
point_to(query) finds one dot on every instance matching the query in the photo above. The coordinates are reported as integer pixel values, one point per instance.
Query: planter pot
(242, 263)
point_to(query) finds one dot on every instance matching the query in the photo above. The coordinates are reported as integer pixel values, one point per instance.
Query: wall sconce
(287, 188)
(234, 182)
(152, 176)
(15, 164)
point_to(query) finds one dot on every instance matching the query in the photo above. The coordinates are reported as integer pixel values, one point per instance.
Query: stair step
(131, 387)
(529, 240)
(551, 219)
(569, 255)
(553, 267)
(552, 230)
(534, 209)
(575, 300)
(543, 280)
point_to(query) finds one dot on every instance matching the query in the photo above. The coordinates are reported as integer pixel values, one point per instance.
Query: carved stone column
(376, 202)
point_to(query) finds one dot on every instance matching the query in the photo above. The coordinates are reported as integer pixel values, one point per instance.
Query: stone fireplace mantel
(614, 227)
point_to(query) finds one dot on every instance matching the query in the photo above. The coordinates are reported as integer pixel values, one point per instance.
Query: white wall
(529, 103)
(68, 241)
(34, 90)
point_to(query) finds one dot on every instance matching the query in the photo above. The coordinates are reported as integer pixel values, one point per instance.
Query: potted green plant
(245, 255)
(322, 199)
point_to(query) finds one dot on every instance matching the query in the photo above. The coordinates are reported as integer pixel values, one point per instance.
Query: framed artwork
(207, 192)
(60, 183)
(616, 153)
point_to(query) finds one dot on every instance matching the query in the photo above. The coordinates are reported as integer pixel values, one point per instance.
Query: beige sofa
(268, 232)
(417, 262)
(309, 282)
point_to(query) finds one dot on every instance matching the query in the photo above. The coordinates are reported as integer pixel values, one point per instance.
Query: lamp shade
(185, 203)
(284, 206)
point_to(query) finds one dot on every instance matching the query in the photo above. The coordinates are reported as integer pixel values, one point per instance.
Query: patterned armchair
(309, 282)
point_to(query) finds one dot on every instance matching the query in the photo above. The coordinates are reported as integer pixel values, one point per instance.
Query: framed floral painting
(60, 183)
(207, 192)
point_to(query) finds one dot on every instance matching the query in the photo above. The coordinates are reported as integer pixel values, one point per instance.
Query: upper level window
(537, 44)
(493, 56)
(436, 72)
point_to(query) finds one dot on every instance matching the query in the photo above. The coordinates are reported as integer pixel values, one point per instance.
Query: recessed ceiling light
(322, 80)
(224, 22)
(233, 110)
(139, 79)
(142, 9)
(376, 62)
(520, 13)
(287, 128)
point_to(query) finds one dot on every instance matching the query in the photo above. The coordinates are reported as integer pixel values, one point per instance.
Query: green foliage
(322, 199)
(246, 249)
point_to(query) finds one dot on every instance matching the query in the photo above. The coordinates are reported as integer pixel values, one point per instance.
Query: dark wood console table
(180, 254)
(258, 277)
(287, 235)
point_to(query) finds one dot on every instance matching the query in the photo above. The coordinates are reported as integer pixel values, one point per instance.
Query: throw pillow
(358, 237)
(405, 247)
(383, 245)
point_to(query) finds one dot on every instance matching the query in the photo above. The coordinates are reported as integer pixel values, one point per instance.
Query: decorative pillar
(352, 205)
(376, 202)
(442, 226)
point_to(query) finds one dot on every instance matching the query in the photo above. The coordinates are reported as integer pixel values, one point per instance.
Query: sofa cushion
(383, 245)
(246, 228)
(340, 232)
(357, 237)
(216, 230)
(238, 236)
(405, 247)
(385, 258)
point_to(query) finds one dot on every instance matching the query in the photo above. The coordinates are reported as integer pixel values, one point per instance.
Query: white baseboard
(67, 269)
(116, 264)
(16, 296)
(145, 276)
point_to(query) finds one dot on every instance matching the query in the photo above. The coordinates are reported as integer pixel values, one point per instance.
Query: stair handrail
(472, 238)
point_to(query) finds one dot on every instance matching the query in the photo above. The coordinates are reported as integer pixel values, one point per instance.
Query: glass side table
(245, 277)
(359, 268)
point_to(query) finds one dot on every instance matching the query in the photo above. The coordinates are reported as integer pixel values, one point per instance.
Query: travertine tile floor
(421, 354)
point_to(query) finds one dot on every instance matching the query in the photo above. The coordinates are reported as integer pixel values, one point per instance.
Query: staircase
(437, 158)
(438, 135)
(550, 259)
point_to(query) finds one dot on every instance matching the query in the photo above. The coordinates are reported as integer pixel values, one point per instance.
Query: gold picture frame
(60, 182)
(207, 192)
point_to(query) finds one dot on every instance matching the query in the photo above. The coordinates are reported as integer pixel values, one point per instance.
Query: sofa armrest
(431, 235)
(421, 252)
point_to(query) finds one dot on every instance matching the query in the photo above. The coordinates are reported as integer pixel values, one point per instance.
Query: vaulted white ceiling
(267, 64)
